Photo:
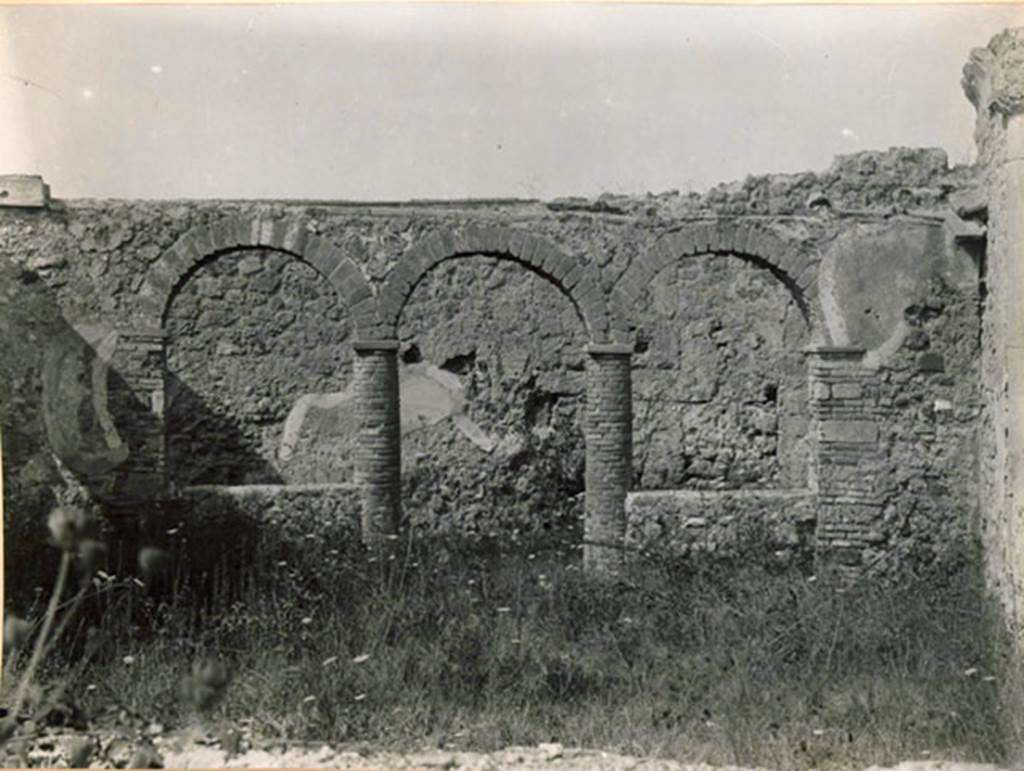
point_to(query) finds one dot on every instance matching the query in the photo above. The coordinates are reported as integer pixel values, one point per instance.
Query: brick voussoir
(572, 278)
(660, 258)
(560, 267)
(160, 280)
(702, 237)
(516, 238)
(742, 237)
(807, 277)
(723, 236)
(255, 228)
(442, 244)
(204, 243)
(599, 327)
(642, 274)
(367, 325)
(497, 238)
(548, 260)
(266, 227)
(181, 258)
(759, 242)
(322, 255)
(296, 236)
(405, 276)
(792, 263)
(151, 307)
(532, 252)
(417, 261)
(390, 304)
(680, 243)
(627, 290)
(241, 229)
(222, 234)
(277, 234)
(346, 278)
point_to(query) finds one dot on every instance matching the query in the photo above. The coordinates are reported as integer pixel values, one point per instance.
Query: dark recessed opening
(412, 354)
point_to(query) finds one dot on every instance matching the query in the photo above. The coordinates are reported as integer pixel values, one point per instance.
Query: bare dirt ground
(190, 750)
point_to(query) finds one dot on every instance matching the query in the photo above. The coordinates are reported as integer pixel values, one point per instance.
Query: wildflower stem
(65, 619)
(37, 651)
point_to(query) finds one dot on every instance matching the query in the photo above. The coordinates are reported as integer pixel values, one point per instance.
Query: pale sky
(401, 101)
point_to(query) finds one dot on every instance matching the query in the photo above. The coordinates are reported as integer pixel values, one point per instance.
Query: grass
(479, 648)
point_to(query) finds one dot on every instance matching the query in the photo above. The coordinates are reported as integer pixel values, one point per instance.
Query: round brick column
(378, 450)
(609, 439)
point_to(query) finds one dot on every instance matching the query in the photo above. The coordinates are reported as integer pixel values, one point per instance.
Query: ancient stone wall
(994, 82)
(800, 349)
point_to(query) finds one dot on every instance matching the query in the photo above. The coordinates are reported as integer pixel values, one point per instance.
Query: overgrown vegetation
(479, 647)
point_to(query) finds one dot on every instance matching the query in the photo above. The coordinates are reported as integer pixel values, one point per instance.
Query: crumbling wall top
(993, 80)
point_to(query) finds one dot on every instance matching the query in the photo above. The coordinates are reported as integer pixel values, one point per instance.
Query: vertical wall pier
(849, 459)
(609, 444)
(378, 459)
(993, 80)
(1006, 222)
(136, 392)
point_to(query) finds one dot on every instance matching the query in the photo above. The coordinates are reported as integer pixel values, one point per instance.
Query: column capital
(375, 345)
(610, 349)
(835, 351)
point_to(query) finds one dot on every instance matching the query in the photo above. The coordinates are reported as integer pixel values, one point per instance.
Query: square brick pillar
(848, 458)
(608, 431)
(136, 393)
(378, 455)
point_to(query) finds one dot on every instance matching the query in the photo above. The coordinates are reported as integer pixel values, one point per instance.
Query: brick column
(849, 459)
(378, 452)
(136, 392)
(609, 439)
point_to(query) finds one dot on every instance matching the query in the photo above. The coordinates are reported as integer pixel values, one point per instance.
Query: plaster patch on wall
(834, 323)
(297, 416)
(428, 395)
(75, 370)
(871, 274)
(876, 357)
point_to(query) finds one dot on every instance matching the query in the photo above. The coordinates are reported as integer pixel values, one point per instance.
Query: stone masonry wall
(994, 82)
(719, 297)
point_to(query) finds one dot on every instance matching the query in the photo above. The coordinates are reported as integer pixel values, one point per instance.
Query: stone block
(851, 431)
(931, 361)
(847, 391)
(26, 190)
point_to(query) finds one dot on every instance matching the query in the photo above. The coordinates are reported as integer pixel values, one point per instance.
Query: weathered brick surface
(609, 440)
(378, 451)
(137, 397)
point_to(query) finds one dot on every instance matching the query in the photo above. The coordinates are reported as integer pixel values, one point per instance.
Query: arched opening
(722, 446)
(258, 359)
(492, 384)
(720, 381)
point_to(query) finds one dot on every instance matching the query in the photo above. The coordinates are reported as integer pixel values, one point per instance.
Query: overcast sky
(459, 100)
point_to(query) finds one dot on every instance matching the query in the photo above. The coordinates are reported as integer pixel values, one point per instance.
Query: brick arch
(290, 236)
(579, 280)
(796, 269)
